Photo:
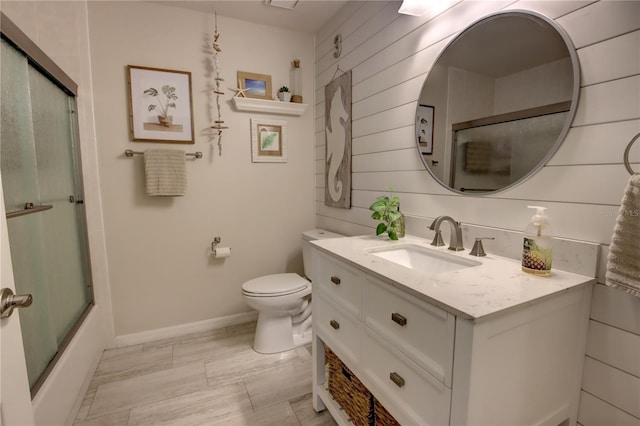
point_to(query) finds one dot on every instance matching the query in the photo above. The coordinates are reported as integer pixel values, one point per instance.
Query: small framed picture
(268, 141)
(424, 128)
(161, 107)
(255, 85)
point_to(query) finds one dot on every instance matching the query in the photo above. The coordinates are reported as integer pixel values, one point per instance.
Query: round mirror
(498, 102)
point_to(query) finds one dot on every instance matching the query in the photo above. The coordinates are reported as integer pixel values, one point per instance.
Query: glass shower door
(49, 252)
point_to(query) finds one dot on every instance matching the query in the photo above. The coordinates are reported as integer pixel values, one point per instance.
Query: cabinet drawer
(341, 282)
(423, 332)
(408, 392)
(339, 330)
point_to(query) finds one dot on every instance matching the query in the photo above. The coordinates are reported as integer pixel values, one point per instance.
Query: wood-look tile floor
(210, 378)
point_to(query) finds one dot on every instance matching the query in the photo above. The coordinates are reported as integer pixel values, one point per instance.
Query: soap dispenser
(536, 247)
(402, 223)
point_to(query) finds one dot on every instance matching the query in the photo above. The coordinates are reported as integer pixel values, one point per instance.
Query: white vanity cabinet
(430, 364)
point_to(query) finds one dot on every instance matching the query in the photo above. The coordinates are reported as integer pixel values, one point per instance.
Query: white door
(15, 398)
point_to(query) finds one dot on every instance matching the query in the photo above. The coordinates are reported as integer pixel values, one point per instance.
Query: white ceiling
(308, 15)
(504, 45)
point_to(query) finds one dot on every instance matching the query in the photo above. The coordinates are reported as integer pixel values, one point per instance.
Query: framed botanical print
(268, 141)
(161, 107)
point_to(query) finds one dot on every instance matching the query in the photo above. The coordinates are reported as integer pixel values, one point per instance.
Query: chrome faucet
(456, 233)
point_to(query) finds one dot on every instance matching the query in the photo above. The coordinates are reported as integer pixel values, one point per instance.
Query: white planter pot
(284, 96)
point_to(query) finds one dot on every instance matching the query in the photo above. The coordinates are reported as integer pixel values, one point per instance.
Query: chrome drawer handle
(335, 280)
(397, 379)
(335, 324)
(399, 319)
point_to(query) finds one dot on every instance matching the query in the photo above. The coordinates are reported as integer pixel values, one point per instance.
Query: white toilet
(283, 302)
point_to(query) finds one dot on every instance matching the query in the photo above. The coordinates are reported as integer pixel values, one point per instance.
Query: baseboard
(182, 329)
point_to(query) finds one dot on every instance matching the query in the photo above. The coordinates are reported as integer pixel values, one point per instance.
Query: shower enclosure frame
(46, 66)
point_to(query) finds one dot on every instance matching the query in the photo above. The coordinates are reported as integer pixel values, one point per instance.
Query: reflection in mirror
(498, 102)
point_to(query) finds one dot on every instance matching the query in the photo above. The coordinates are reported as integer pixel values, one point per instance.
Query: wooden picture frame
(254, 85)
(160, 105)
(424, 128)
(268, 141)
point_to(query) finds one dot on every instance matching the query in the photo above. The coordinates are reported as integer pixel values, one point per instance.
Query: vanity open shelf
(268, 107)
(337, 413)
(486, 344)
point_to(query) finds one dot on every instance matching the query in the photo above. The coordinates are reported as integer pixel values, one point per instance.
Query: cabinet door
(337, 329)
(409, 393)
(341, 282)
(423, 332)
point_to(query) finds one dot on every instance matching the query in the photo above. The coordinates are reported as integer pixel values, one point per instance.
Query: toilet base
(302, 339)
(275, 333)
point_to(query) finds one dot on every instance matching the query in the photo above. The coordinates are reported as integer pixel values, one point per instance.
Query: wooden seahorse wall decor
(338, 142)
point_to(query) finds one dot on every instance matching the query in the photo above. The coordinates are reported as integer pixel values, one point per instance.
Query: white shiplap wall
(582, 185)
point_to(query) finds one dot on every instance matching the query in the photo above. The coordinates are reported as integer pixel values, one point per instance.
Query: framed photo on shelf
(268, 141)
(160, 105)
(255, 85)
(424, 128)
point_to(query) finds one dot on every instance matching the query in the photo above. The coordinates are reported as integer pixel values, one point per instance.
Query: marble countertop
(475, 293)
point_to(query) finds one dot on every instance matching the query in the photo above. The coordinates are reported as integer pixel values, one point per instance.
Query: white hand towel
(623, 264)
(165, 172)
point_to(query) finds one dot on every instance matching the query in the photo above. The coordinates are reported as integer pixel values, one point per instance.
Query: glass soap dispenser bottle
(537, 244)
(296, 82)
(401, 229)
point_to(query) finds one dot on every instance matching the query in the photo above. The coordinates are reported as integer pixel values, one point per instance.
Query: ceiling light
(285, 4)
(414, 7)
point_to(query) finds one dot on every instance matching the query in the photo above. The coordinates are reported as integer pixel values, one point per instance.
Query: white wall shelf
(269, 107)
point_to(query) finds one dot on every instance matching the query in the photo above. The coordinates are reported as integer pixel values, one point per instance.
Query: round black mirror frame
(572, 109)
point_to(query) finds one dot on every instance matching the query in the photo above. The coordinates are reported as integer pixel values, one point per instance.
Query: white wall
(582, 185)
(543, 85)
(162, 275)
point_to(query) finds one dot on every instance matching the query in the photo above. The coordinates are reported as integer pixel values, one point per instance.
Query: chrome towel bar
(28, 209)
(130, 153)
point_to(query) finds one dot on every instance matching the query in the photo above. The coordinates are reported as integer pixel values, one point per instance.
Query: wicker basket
(382, 416)
(348, 391)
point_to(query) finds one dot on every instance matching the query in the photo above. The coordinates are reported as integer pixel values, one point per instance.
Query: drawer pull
(335, 280)
(399, 319)
(397, 379)
(335, 324)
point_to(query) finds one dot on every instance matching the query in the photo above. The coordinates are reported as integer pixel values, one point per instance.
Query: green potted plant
(284, 94)
(170, 95)
(386, 208)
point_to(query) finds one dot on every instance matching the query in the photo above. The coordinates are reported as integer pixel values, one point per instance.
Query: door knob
(8, 301)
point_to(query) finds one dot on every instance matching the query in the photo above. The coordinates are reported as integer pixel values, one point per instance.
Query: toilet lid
(275, 285)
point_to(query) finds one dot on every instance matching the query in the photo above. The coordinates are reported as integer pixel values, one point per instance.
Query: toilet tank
(314, 234)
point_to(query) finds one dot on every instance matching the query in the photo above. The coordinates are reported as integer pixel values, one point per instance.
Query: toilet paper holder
(219, 252)
(216, 240)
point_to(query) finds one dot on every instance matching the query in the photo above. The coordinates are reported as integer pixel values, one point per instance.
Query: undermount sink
(424, 260)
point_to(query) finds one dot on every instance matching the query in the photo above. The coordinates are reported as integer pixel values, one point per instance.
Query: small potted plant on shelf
(284, 94)
(164, 118)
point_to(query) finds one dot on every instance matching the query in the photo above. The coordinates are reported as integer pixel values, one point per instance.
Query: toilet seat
(275, 285)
